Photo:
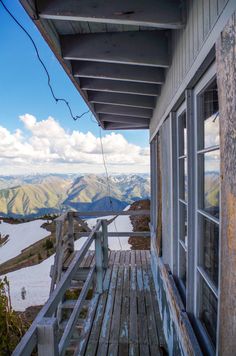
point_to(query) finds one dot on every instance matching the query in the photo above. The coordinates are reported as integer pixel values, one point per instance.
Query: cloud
(50, 146)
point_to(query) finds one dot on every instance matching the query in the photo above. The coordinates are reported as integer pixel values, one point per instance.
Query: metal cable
(108, 182)
(74, 117)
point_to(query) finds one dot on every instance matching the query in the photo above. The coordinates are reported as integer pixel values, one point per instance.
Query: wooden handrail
(116, 234)
(110, 213)
(75, 314)
(29, 340)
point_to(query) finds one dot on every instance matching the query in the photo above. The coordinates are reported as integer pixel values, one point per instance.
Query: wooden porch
(124, 319)
(101, 302)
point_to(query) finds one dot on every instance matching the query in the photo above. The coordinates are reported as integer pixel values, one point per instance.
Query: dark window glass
(209, 254)
(182, 135)
(208, 310)
(183, 179)
(182, 264)
(183, 223)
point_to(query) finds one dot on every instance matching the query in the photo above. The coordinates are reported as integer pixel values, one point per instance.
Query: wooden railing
(43, 332)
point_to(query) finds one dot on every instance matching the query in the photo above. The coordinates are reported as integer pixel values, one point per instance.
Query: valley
(35, 196)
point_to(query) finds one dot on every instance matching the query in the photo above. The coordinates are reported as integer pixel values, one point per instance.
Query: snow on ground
(36, 279)
(20, 237)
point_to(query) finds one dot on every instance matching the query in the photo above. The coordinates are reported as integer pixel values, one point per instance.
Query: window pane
(183, 223)
(209, 254)
(183, 178)
(208, 310)
(209, 124)
(182, 264)
(182, 135)
(211, 182)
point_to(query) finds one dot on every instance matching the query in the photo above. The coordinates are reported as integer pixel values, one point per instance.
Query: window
(182, 200)
(196, 206)
(208, 173)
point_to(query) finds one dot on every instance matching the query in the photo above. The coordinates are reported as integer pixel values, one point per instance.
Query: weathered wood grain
(226, 75)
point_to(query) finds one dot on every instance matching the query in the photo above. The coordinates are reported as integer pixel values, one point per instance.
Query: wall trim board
(186, 336)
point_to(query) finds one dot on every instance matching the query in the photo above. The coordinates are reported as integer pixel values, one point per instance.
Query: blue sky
(23, 84)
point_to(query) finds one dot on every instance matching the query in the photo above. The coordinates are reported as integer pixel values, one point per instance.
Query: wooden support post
(105, 243)
(57, 258)
(99, 260)
(226, 74)
(47, 337)
(71, 232)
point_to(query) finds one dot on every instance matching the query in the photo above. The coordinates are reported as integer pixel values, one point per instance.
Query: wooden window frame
(179, 200)
(199, 272)
(190, 105)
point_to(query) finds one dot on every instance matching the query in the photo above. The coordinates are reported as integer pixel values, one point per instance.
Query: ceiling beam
(123, 119)
(154, 13)
(148, 48)
(121, 99)
(122, 126)
(120, 87)
(123, 110)
(114, 71)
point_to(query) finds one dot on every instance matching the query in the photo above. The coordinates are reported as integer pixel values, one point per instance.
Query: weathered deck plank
(124, 319)
(92, 310)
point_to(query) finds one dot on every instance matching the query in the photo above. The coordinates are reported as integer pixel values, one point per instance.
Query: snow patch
(36, 279)
(20, 237)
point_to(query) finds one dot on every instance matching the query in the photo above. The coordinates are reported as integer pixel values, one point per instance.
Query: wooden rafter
(154, 13)
(148, 48)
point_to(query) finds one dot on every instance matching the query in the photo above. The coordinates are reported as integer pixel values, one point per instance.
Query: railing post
(99, 260)
(47, 337)
(55, 269)
(71, 232)
(105, 243)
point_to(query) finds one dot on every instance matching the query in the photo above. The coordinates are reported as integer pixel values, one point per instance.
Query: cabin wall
(178, 331)
(205, 19)
(201, 17)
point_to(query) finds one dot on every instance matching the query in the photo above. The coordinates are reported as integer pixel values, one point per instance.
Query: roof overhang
(115, 52)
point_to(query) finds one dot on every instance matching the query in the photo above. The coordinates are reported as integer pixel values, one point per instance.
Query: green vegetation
(12, 327)
(48, 244)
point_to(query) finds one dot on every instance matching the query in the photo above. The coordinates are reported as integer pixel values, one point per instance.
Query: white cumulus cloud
(48, 146)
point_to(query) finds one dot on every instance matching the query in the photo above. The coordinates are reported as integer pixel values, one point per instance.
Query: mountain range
(34, 196)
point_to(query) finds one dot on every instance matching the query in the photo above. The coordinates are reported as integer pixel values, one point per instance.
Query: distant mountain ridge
(33, 196)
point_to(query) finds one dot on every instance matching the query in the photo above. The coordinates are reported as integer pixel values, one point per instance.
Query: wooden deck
(124, 319)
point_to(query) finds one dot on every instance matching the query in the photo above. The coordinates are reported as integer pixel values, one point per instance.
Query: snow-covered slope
(36, 279)
(20, 237)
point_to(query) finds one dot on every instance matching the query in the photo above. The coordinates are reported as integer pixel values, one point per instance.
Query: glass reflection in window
(210, 117)
(212, 182)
